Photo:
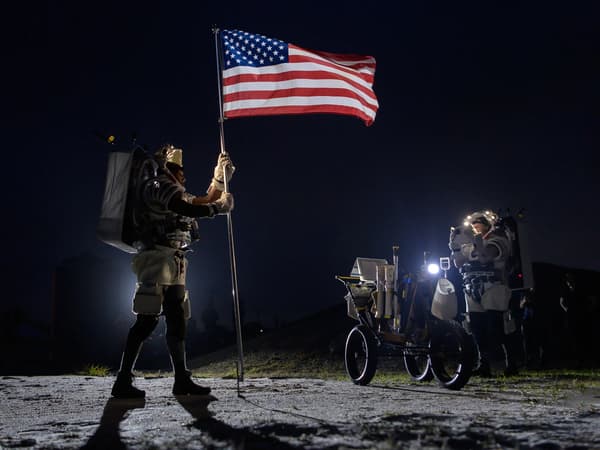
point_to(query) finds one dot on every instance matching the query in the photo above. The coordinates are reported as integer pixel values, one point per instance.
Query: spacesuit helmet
(488, 218)
(169, 154)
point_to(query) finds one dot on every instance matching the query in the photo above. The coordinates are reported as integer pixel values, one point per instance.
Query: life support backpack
(127, 171)
(514, 264)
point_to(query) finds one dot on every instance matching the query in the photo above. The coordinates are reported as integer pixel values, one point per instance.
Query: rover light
(433, 269)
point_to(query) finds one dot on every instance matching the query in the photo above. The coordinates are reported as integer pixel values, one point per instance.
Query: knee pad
(148, 299)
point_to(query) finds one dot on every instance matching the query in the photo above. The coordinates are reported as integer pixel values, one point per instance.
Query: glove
(459, 235)
(224, 168)
(223, 204)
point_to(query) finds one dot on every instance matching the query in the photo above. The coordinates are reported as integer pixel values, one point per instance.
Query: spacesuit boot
(483, 370)
(184, 385)
(511, 369)
(123, 387)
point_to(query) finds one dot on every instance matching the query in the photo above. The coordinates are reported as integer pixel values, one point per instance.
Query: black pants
(488, 329)
(531, 338)
(146, 323)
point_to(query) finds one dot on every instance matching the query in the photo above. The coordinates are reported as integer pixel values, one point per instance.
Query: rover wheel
(452, 354)
(361, 355)
(417, 365)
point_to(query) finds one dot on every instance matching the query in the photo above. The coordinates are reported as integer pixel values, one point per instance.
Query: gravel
(77, 411)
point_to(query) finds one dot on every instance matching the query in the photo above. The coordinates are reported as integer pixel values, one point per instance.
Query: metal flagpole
(234, 283)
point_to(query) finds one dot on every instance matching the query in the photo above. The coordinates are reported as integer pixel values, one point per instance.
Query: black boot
(484, 370)
(124, 388)
(511, 369)
(185, 386)
(183, 378)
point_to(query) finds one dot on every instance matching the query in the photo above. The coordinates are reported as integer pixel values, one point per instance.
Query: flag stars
(241, 48)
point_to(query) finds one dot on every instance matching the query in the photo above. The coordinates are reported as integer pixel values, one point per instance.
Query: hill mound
(305, 347)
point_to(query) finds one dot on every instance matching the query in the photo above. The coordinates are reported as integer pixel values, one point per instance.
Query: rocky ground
(77, 411)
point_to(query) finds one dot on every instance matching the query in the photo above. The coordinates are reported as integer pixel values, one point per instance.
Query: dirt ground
(77, 411)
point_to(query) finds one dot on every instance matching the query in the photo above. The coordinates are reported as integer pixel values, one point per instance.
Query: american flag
(265, 76)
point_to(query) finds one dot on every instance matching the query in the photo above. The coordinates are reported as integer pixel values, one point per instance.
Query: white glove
(223, 204)
(459, 236)
(224, 168)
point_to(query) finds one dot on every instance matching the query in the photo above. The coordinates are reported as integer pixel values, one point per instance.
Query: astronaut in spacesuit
(480, 250)
(166, 216)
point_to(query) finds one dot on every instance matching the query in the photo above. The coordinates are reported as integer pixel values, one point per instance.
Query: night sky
(481, 106)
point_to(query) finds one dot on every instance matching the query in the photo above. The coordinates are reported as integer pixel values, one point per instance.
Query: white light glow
(433, 269)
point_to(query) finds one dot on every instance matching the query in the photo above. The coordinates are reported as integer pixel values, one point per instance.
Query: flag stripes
(305, 82)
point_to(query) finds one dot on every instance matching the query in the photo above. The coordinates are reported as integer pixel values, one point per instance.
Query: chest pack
(119, 223)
